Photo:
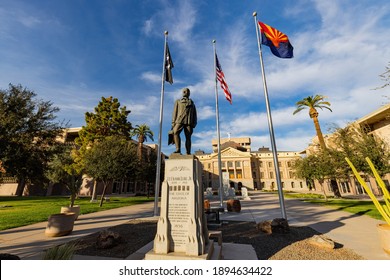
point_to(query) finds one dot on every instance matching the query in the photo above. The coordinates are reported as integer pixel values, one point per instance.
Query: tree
(142, 132)
(315, 167)
(147, 170)
(108, 119)
(353, 142)
(109, 159)
(386, 77)
(356, 143)
(28, 134)
(313, 102)
(63, 169)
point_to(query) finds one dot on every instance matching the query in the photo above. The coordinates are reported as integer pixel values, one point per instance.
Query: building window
(280, 163)
(282, 184)
(230, 164)
(238, 164)
(289, 164)
(345, 187)
(209, 165)
(301, 184)
(239, 174)
(223, 164)
(261, 174)
(260, 163)
(271, 175)
(291, 174)
(270, 164)
(231, 174)
(281, 174)
(292, 185)
(329, 187)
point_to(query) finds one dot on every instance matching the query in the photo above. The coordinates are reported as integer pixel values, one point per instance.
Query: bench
(216, 234)
(216, 211)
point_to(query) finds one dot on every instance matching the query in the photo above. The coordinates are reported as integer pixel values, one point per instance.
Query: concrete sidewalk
(29, 242)
(358, 233)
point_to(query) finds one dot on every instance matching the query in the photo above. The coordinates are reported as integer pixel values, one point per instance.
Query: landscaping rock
(322, 242)
(108, 239)
(280, 225)
(265, 227)
(233, 205)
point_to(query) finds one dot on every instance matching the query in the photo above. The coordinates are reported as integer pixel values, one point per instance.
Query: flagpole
(270, 126)
(158, 167)
(218, 132)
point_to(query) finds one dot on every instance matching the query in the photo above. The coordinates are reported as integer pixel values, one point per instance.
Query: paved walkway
(358, 233)
(355, 232)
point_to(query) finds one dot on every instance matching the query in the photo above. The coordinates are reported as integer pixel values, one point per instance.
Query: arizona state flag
(277, 41)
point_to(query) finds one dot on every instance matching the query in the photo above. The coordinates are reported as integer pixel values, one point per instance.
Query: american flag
(221, 79)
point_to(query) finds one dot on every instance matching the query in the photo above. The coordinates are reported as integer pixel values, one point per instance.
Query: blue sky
(76, 51)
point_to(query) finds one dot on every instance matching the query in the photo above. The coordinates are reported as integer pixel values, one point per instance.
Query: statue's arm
(174, 113)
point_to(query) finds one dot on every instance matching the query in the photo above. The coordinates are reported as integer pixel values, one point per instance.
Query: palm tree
(313, 102)
(142, 132)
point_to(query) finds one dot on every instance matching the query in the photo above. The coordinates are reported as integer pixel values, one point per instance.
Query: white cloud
(29, 21)
(151, 77)
(205, 112)
(341, 47)
(148, 26)
(176, 18)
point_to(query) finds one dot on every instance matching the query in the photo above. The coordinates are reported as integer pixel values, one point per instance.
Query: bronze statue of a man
(183, 118)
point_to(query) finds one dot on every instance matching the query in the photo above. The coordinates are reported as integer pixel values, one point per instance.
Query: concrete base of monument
(231, 251)
(213, 252)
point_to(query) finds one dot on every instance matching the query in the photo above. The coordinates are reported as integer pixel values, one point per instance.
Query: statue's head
(186, 92)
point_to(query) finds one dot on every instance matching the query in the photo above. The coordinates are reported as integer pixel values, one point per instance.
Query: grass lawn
(20, 211)
(359, 207)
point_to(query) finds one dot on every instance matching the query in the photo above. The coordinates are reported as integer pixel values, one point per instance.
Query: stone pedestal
(182, 228)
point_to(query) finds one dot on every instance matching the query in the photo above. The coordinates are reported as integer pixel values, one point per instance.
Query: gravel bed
(291, 246)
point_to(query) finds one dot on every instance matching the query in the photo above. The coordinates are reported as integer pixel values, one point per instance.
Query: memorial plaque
(179, 212)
